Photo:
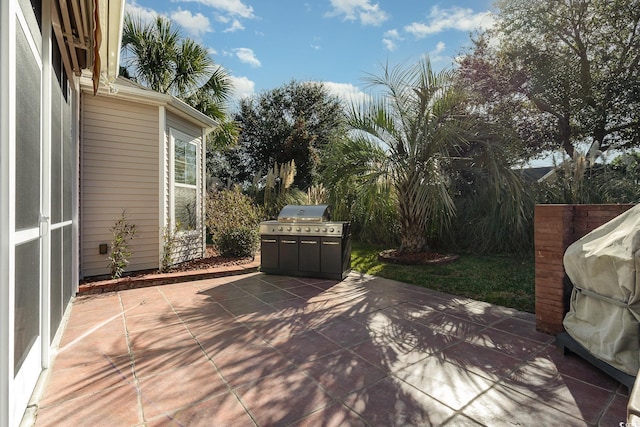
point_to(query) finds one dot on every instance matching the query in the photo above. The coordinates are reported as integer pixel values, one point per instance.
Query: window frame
(176, 135)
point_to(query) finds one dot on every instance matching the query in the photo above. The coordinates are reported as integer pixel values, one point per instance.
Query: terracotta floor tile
(275, 296)
(143, 322)
(282, 282)
(108, 339)
(502, 406)
(256, 287)
(479, 312)
(215, 342)
(566, 394)
(346, 332)
(170, 338)
(336, 415)
(245, 306)
(89, 378)
(307, 346)
(551, 358)
(448, 383)
(117, 406)
(179, 388)
(481, 360)
(157, 361)
(294, 305)
(282, 399)
(305, 291)
(460, 420)
(508, 344)
(316, 319)
(225, 293)
(342, 372)
(392, 402)
(222, 410)
(446, 324)
(380, 356)
(250, 364)
(616, 412)
(522, 328)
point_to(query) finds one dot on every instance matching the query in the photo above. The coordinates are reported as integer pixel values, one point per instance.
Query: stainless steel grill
(304, 242)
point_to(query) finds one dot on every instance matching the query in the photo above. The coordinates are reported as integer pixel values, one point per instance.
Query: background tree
(157, 56)
(562, 73)
(292, 122)
(409, 146)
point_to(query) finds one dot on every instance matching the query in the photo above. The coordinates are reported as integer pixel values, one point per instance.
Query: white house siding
(119, 171)
(190, 245)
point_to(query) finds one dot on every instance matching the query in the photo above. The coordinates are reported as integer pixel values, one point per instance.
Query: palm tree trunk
(412, 228)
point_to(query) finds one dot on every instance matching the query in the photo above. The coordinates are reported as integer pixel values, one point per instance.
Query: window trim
(174, 135)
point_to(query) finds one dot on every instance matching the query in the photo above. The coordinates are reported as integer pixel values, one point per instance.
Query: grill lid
(305, 213)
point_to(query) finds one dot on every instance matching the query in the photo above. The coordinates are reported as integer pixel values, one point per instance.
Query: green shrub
(170, 241)
(232, 221)
(123, 232)
(238, 242)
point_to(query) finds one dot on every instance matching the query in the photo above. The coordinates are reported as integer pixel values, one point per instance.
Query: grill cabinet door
(288, 253)
(331, 255)
(309, 254)
(269, 252)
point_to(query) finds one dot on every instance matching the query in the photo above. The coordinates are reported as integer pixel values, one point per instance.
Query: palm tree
(406, 146)
(157, 56)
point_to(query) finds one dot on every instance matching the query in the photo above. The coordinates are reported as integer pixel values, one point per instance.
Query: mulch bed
(211, 260)
(416, 258)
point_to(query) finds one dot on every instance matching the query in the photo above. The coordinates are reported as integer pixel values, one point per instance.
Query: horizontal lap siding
(119, 170)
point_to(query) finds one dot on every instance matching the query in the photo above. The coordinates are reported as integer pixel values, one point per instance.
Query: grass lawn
(506, 280)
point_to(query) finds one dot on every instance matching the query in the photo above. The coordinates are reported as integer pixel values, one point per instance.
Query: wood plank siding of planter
(119, 170)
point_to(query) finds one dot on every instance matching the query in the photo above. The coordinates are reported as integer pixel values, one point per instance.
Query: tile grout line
(136, 382)
(230, 389)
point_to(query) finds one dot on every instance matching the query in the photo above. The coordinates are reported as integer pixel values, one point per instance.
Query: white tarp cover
(604, 267)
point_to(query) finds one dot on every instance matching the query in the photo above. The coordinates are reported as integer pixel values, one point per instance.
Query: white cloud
(455, 18)
(435, 54)
(195, 25)
(392, 34)
(139, 12)
(346, 92)
(247, 56)
(242, 87)
(231, 7)
(389, 39)
(362, 10)
(389, 44)
(439, 48)
(235, 26)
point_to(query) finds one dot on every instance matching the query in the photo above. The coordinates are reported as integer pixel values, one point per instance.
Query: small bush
(170, 241)
(123, 232)
(232, 221)
(238, 242)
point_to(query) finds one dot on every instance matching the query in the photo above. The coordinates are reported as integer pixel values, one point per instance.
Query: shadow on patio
(271, 350)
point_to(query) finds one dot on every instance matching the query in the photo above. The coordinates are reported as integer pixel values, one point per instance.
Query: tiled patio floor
(268, 350)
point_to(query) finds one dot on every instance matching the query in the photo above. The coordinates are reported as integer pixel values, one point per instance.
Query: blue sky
(265, 44)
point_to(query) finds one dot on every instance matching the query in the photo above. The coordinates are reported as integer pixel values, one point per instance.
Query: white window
(186, 200)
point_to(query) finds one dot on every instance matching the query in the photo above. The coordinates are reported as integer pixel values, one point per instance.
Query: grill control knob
(317, 229)
(331, 230)
(280, 229)
(324, 230)
(297, 228)
(288, 228)
(307, 229)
